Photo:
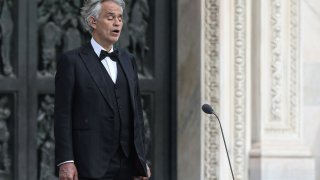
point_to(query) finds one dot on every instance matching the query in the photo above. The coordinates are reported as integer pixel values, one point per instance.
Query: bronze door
(32, 33)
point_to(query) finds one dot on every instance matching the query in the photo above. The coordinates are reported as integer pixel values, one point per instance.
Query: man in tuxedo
(98, 123)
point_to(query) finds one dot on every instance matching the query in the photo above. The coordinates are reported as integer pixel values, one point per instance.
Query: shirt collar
(97, 47)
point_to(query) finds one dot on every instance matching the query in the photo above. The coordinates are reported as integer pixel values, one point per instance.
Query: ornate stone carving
(294, 91)
(59, 26)
(6, 30)
(276, 63)
(45, 138)
(134, 33)
(284, 103)
(211, 95)
(5, 160)
(240, 57)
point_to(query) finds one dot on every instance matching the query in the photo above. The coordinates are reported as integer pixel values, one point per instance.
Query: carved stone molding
(276, 63)
(211, 95)
(278, 143)
(239, 90)
(284, 71)
(294, 92)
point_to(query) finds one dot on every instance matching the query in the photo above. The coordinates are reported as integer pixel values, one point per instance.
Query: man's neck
(105, 46)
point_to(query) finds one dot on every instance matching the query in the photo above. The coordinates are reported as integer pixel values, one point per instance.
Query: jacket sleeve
(138, 101)
(64, 87)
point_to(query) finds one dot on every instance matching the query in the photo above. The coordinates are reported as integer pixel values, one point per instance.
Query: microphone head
(207, 109)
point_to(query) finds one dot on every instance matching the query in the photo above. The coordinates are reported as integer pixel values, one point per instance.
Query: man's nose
(117, 22)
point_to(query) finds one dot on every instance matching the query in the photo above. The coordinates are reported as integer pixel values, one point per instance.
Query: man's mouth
(116, 31)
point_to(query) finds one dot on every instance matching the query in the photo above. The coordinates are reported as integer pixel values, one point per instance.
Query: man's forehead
(112, 12)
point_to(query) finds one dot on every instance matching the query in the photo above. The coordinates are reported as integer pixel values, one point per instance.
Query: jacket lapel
(129, 73)
(96, 70)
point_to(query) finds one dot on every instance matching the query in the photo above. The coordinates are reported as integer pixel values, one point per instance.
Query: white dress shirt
(111, 67)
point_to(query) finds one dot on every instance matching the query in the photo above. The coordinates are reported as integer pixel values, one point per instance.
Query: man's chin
(115, 37)
(114, 40)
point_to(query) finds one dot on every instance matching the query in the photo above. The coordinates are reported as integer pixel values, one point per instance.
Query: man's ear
(93, 22)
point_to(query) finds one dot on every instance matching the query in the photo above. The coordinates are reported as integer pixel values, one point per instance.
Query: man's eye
(110, 17)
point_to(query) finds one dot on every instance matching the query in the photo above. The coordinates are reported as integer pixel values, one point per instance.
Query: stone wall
(256, 63)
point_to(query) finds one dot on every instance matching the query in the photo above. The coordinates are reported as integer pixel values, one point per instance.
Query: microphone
(209, 110)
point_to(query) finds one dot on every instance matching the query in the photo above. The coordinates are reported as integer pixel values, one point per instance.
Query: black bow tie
(113, 55)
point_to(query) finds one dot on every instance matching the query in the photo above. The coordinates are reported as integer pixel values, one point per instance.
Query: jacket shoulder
(126, 54)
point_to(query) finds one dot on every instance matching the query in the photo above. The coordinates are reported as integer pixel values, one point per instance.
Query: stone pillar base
(282, 163)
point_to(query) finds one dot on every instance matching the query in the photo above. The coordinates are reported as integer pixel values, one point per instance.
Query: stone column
(277, 151)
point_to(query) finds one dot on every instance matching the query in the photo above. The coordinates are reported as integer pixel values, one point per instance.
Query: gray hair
(92, 8)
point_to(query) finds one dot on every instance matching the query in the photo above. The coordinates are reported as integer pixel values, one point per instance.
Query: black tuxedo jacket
(84, 123)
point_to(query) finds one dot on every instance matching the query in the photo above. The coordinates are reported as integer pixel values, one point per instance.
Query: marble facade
(257, 63)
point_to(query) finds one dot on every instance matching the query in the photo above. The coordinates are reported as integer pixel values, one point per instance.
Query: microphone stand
(224, 141)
